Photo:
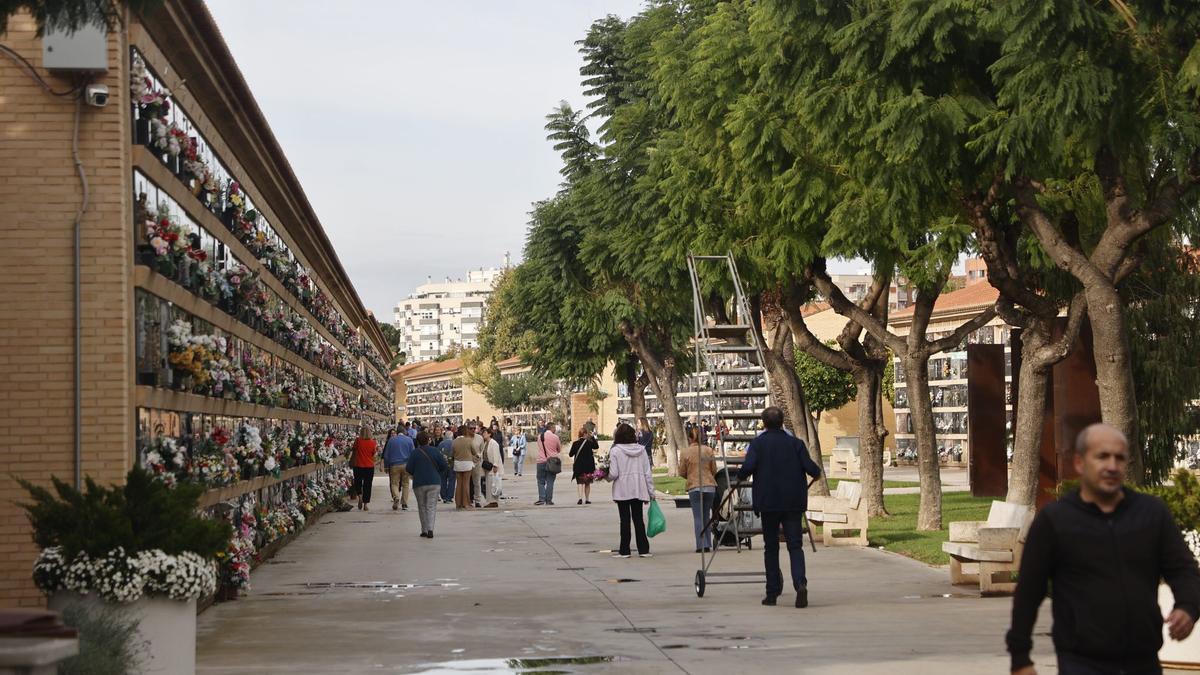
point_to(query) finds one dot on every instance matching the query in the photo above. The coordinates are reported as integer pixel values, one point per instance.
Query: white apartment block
(441, 314)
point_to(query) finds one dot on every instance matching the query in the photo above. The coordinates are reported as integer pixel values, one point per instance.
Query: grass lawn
(898, 532)
(672, 485)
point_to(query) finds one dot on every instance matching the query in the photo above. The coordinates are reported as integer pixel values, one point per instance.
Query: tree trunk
(1114, 369)
(920, 404)
(811, 426)
(663, 381)
(869, 383)
(1030, 421)
(779, 352)
(636, 382)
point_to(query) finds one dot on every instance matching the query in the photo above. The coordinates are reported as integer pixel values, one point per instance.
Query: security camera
(96, 95)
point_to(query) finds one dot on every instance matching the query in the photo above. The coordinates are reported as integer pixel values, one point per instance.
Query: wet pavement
(525, 589)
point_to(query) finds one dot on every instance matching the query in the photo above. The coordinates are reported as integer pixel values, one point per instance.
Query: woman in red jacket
(363, 464)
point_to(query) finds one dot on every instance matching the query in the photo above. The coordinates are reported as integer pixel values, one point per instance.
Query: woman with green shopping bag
(633, 486)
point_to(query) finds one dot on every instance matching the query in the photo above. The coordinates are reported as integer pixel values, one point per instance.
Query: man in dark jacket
(779, 463)
(1103, 549)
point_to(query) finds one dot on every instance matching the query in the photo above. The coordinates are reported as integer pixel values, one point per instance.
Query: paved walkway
(361, 592)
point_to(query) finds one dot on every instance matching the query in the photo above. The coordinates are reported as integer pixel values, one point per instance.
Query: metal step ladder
(732, 357)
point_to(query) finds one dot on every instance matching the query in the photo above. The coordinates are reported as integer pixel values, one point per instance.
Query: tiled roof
(977, 295)
(430, 368)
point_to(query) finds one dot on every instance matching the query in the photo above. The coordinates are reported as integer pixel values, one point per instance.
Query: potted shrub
(141, 550)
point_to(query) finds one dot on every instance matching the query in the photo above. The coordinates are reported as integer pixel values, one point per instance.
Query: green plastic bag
(655, 522)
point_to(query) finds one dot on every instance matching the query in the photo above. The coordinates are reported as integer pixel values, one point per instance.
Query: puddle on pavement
(939, 596)
(379, 585)
(622, 581)
(673, 647)
(525, 666)
(601, 550)
(496, 550)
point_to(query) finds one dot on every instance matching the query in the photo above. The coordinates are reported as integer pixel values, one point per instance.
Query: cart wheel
(699, 583)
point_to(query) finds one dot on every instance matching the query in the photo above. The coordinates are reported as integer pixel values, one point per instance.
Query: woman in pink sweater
(633, 487)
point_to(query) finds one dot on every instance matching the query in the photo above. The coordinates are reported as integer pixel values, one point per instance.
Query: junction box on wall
(82, 51)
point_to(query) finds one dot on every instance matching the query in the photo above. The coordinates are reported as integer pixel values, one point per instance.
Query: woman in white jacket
(491, 453)
(633, 487)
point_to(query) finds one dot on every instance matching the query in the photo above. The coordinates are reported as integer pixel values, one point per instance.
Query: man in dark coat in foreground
(779, 463)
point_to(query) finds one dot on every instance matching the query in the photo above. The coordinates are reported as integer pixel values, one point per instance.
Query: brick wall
(39, 194)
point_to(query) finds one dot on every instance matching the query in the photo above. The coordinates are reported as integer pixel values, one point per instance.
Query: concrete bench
(841, 516)
(843, 462)
(988, 552)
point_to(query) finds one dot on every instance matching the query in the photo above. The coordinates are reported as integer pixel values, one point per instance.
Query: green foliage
(1183, 498)
(513, 391)
(1164, 327)
(108, 641)
(390, 333)
(825, 387)
(143, 514)
(72, 14)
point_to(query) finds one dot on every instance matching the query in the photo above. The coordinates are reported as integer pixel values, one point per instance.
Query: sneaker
(621, 555)
(645, 555)
(424, 534)
(395, 505)
(404, 507)
(579, 503)
(539, 503)
(802, 597)
(549, 503)
(769, 600)
(587, 502)
(431, 534)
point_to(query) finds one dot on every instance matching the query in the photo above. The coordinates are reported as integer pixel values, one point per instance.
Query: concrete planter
(1185, 654)
(167, 628)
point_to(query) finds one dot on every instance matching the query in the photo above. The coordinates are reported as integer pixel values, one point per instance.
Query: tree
(1079, 122)
(71, 15)
(826, 388)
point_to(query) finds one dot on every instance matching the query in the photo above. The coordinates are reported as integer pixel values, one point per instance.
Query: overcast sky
(415, 127)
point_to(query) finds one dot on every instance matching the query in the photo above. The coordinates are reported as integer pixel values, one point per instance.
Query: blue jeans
(793, 531)
(545, 481)
(702, 504)
(518, 464)
(448, 485)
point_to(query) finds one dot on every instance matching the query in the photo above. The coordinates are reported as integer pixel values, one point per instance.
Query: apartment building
(439, 316)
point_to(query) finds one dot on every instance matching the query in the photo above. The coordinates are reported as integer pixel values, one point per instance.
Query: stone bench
(988, 552)
(841, 516)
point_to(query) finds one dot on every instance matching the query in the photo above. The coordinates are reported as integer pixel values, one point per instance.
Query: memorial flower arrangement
(166, 460)
(123, 542)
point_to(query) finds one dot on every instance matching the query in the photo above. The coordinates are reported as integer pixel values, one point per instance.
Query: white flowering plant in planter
(125, 542)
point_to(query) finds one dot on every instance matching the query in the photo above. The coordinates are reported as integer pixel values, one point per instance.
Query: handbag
(554, 464)
(487, 466)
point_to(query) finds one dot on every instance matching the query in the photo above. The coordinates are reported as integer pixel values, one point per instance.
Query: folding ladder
(732, 357)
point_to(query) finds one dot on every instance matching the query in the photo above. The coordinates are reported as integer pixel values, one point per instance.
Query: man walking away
(395, 456)
(1103, 548)
(548, 446)
(427, 467)
(464, 464)
(779, 463)
(446, 448)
